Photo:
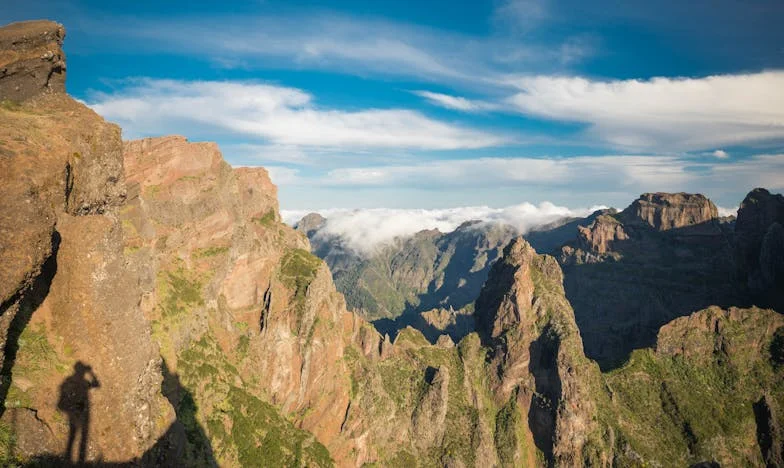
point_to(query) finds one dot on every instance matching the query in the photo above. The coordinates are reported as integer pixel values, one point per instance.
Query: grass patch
(298, 269)
(210, 252)
(266, 220)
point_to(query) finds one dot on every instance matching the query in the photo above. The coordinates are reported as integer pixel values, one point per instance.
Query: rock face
(629, 273)
(709, 392)
(542, 374)
(412, 275)
(665, 211)
(31, 60)
(228, 286)
(68, 301)
(759, 246)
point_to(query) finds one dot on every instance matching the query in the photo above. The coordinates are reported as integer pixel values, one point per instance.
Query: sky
(434, 105)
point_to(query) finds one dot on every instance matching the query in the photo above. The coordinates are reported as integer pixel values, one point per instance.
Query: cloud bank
(279, 115)
(367, 229)
(672, 113)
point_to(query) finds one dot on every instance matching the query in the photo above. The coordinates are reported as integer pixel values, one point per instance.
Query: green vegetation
(210, 252)
(268, 219)
(9, 105)
(241, 427)
(506, 423)
(179, 290)
(681, 410)
(298, 269)
(777, 347)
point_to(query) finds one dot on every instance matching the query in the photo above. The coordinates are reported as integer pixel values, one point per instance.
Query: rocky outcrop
(759, 247)
(430, 413)
(629, 273)
(665, 211)
(216, 253)
(310, 224)
(601, 235)
(542, 372)
(709, 392)
(32, 61)
(69, 303)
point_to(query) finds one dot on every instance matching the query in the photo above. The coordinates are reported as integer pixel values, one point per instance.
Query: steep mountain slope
(158, 248)
(415, 274)
(66, 297)
(760, 246)
(711, 391)
(627, 274)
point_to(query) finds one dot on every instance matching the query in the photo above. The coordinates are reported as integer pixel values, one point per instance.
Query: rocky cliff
(69, 302)
(760, 246)
(629, 273)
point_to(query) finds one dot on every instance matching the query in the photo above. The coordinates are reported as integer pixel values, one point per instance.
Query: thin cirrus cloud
(456, 102)
(664, 113)
(357, 45)
(277, 115)
(591, 175)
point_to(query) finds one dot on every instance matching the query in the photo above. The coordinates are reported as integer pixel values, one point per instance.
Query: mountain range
(156, 311)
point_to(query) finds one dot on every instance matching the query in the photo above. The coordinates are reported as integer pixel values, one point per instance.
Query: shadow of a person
(75, 402)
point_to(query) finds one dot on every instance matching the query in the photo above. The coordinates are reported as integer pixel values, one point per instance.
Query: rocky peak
(601, 234)
(665, 211)
(508, 292)
(310, 223)
(759, 246)
(32, 61)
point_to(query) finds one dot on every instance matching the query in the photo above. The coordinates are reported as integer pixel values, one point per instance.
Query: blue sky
(436, 104)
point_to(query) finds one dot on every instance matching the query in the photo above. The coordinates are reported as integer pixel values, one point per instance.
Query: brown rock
(600, 235)
(32, 61)
(664, 211)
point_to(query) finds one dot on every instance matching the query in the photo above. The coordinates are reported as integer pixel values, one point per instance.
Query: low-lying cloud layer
(365, 230)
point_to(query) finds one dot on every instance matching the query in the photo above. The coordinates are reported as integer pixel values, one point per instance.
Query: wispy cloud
(278, 115)
(367, 229)
(595, 177)
(655, 172)
(357, 45)
(456, 102)
(662, 113)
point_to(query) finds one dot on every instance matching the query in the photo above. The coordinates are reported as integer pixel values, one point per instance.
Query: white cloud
(281, 175)
(358, 45)
(279, 115)
(723, 211)
(652, 172)
(456, 102)
(662, 113)
(367, 229)
(721, 154)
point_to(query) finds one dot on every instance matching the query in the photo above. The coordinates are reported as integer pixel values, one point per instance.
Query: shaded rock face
(31, 60)
(629, 273)
(760, 246)
(665, 211)
(430, 414)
